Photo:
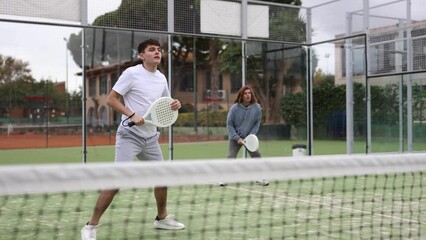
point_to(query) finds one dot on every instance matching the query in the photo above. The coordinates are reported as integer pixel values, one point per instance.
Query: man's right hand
(137, 120)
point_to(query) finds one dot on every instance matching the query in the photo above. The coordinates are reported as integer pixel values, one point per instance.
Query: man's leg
(163, 219)
(104, 200)
(160, 194)
(126, 149)
(88, 232)
(152, 152)
(233, 149)
(255, 154)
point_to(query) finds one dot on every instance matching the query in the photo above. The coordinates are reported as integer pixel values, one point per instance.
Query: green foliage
(288, 26)
(14, 94)
(293, 109)
(15, 81)
(230, 58)
(204, 119)
(329, 98)
(12, 69)
(117, 46)
(231, 54)
(146, 14)
(16, 84)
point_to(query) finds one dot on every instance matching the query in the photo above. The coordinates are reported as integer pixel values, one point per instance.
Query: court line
(326, 205)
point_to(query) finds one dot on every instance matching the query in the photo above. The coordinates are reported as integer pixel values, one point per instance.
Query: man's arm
(114, 101)
(230, 125)
(257, 122)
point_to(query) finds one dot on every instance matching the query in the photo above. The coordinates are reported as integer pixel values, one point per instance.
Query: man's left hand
(176, 105)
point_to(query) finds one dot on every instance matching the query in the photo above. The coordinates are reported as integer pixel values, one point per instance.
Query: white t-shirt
(140, 88)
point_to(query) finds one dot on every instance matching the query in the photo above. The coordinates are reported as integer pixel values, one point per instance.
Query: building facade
(100, 81)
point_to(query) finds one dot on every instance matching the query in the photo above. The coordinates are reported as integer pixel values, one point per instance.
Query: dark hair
(240, 95)
(145, 44)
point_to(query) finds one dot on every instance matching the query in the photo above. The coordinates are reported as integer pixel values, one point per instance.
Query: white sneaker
(169, 222)
(223, 184)
(262, 182)
(88, 232)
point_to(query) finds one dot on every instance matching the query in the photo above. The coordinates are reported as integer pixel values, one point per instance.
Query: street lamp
(66, 79)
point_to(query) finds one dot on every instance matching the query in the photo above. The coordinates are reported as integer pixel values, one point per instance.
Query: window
(236, 83)
(208, 81)
(114, 78)
(103, 85)
(358, 61)
(92, 117)
(92, 87)
(419, 58)
(186, 83)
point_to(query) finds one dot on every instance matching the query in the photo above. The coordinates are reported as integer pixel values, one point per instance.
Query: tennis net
(317, 197)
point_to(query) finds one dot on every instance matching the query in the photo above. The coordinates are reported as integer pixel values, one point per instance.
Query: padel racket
(251, 143)
(160, 113)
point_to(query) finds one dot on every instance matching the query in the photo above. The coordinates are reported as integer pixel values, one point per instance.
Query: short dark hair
(147, 42)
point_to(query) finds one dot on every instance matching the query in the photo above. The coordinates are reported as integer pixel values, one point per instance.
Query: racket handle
(130, 124)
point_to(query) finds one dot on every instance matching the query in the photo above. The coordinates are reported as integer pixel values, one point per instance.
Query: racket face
(251, 142)
(160, 113)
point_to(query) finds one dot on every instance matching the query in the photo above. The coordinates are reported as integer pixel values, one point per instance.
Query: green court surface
(181, 151)
(334, 208)
(374, 207)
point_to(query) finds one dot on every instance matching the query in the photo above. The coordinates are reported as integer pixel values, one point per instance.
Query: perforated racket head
(160, 113)
(251, 142)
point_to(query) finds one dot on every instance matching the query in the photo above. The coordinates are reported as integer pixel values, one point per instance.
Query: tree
(329, 98)
(214, 50)
(12, 71)
(288, 60)
(320, 77)
(285, 23)
(115, 46)
(17, 85)
(108, 46)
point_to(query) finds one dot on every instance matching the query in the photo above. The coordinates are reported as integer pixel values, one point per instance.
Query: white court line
(326, 205)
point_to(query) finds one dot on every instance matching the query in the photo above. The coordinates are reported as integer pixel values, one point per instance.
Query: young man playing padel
(139, 86)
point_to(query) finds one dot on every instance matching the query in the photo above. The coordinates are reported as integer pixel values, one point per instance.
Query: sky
(44, 47)
(329, 19)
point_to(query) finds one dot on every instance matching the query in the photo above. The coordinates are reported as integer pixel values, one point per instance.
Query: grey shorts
(129, 146)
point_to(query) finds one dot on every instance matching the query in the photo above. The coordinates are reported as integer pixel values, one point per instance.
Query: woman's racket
(251, 143)
(160, 113)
